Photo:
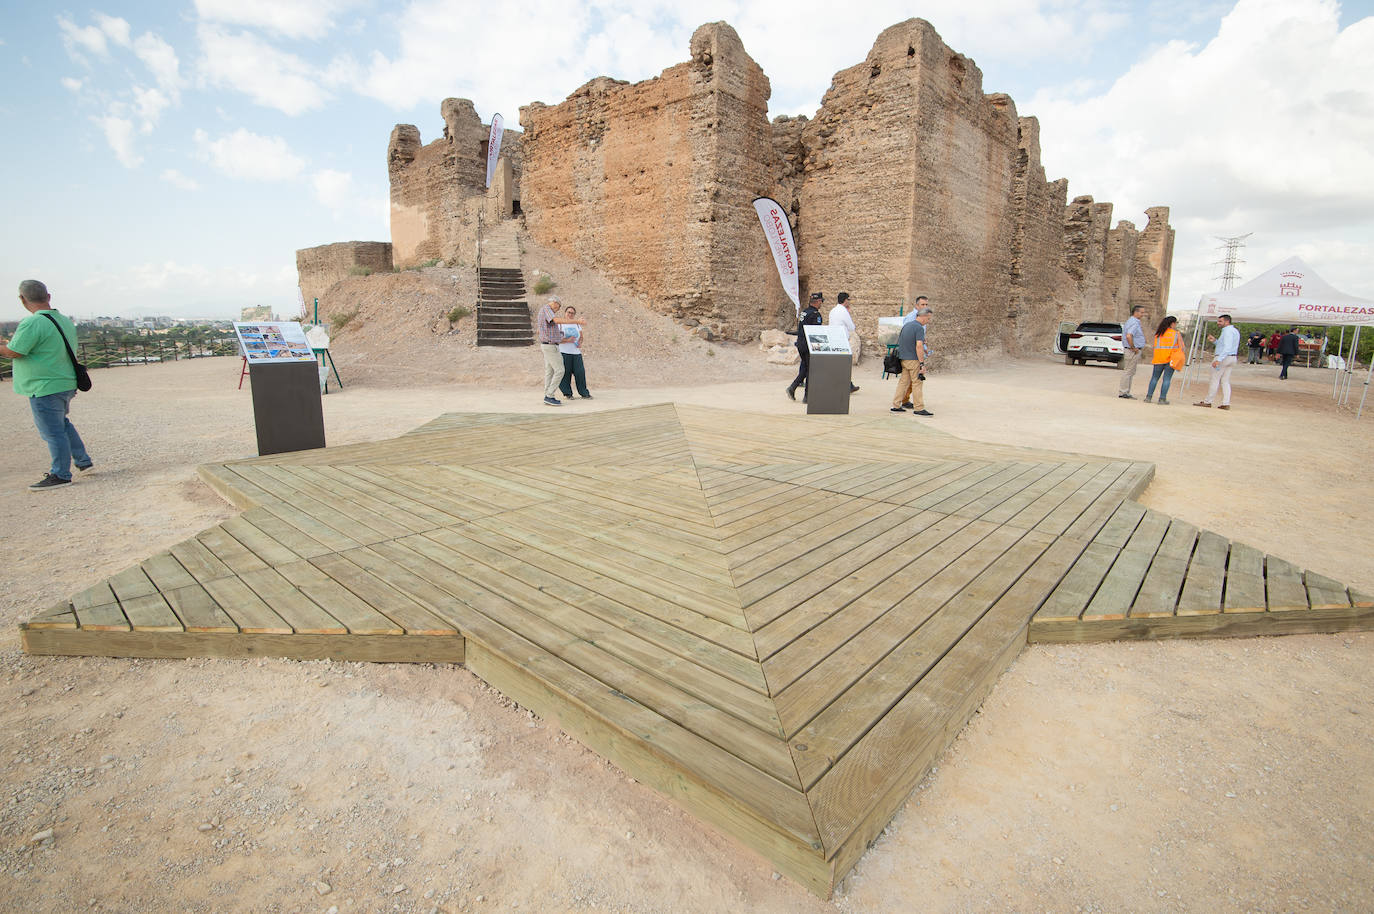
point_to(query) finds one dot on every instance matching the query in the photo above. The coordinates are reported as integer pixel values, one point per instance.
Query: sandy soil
(1181, 776)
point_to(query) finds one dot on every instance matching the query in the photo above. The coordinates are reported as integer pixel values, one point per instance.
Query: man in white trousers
(1223, 360)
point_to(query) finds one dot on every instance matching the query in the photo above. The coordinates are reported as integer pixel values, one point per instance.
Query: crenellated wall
(908, 180)
(437, 190)
(652, 184)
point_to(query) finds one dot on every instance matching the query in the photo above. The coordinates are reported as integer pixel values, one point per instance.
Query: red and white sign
(778, 230)
(494, 145)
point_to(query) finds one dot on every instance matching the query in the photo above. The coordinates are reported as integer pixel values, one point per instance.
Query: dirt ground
(1227, 775)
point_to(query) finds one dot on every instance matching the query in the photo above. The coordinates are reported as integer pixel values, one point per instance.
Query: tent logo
(1290, 286)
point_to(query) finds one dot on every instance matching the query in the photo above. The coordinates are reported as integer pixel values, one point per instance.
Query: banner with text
(494, 145)
(773, 218)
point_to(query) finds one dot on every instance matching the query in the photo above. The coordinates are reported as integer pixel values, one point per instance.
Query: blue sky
(169, 158)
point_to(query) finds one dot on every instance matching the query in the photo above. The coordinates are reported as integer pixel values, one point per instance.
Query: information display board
(264, 342)
(828, 379)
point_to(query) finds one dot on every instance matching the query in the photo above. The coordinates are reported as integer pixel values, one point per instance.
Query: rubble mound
(392, 330)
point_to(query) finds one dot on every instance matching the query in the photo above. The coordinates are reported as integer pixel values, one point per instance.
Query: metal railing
(97, 352)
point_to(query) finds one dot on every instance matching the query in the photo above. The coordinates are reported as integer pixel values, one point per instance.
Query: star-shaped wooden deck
(779, 622)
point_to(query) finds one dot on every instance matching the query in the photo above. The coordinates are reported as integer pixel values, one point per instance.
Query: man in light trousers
(1133, 338)
(1223, 360)
(550, 335)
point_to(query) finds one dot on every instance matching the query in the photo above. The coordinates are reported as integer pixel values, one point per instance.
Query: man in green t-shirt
(43, 372)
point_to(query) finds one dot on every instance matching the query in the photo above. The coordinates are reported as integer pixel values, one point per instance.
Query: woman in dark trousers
(573, 369)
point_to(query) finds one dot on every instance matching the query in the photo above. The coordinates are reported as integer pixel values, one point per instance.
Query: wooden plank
(1071, 509)
(1116, 532)
(1072, 595)
(1325, 593)
(1119, 588)
(387, 649)
(166, 572)
(61, 616)
(96, 595)
(843, 693)
(197, 610)
(256, 541)
(105, 618)
(519, 603)
(1214, 625)
(1202, 588)
(229, 551)
(339, 601)
(799, 595)
(1159, 592)
(131, 583)
(1284, 589)
(150, 613)
(1244, 580)
(688, 635)
(860, 792)
(401, 609)
(199, 562)
(249, 612)
(295, 608)
(815, 629)
(766, 815)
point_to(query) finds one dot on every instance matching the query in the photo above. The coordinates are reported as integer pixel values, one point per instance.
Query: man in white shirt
(1223, 360)
(840, 316)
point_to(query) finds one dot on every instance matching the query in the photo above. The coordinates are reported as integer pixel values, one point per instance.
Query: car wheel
(1068, 360)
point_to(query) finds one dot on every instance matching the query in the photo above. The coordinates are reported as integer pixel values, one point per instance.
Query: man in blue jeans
(43, 372)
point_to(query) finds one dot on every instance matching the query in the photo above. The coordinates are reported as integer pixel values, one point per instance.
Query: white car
(1095, 341)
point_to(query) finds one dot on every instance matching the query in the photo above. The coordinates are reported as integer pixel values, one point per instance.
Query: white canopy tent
(1291, 293)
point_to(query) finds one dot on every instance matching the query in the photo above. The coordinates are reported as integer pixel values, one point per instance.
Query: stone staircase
(503, 314)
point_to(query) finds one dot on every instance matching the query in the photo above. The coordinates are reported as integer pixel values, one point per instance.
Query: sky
(171, 157)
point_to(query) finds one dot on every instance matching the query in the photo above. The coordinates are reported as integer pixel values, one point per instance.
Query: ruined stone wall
(1038, 242)
(1118, 270)
(908, 190)
(652, 184)
(437, 189)
(1086, 227)
(318, 268)
(1152, 264)
(909, 180)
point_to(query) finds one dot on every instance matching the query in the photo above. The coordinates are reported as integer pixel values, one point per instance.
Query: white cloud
(247, 155)
(288, 18)
(1232, 135)
(150, 103)
(177, 179)
(161, 60)
(333, 188)
(71, 84)
(117, 30)
(119, 133)
(269, 76)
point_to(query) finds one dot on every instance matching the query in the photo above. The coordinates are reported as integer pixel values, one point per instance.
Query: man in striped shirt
(550, 335)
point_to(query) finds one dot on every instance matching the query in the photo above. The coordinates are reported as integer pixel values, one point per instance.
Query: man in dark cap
(810, 316)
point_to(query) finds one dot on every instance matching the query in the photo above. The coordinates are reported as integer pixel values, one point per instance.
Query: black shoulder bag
(83, 377)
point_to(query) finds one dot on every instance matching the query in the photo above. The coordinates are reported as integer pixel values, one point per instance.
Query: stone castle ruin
(909, 180)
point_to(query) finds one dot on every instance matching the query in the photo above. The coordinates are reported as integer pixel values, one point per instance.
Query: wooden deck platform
(779, 622)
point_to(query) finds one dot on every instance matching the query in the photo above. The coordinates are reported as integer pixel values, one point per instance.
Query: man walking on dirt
(1133, 338)
(43, 372)
(1288, 351)
(911, 349)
